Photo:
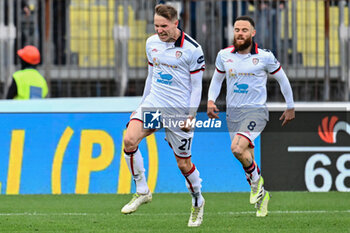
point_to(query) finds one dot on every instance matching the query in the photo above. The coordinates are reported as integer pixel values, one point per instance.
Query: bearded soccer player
(245, 67)
(174, 83)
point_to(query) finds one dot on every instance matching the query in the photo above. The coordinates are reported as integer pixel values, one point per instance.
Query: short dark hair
(246, 18)
(166, 11)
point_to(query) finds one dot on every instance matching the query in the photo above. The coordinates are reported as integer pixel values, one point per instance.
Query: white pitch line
(253, 212)
(43, 214)
(290, 212)
(174, 213)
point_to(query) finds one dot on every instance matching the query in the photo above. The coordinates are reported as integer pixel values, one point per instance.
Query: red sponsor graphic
(325, 130)
(329, 128)
(154, 50)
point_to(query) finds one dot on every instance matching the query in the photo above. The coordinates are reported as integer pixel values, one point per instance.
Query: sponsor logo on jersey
(232, 73)
(241, 88)
(246, 74)
(330, 127)
(170, 66)
(164, 78)
(255, 61)
(155, 61)
(200, 59)
(178, 54)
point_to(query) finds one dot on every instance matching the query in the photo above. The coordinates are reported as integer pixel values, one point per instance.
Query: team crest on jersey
(178, 54)
(255, 61)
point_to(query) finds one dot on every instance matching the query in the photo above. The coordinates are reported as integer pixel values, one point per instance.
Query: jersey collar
(180, 41)
(254, 49)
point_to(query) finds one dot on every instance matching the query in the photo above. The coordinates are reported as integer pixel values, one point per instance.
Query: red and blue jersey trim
(180, 41)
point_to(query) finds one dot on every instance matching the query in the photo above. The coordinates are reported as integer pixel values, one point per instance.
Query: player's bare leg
(240, 148)
(193, 183)
(133, 136)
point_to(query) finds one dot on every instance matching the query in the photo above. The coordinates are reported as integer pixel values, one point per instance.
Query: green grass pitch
(224, 212)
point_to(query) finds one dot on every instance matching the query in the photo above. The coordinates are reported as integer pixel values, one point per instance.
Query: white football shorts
(250, 124)
(179, 141)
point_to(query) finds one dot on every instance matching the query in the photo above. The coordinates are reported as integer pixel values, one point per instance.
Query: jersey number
(251, 125)
(185, 142)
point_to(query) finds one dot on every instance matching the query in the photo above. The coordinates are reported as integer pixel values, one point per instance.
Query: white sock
(253, 172)
(134, 161)
(193, 183)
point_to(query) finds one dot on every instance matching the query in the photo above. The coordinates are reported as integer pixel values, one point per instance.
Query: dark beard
(243, 46)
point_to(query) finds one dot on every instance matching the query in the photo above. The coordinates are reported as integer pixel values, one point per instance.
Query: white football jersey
(246, 75)
(173, 63)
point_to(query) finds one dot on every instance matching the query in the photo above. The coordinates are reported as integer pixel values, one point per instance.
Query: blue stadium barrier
(59, 146)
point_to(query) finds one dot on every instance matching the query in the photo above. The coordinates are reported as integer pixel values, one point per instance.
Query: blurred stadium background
(95, 48)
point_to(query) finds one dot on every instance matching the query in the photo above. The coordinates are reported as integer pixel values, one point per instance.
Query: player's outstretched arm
(286, 89)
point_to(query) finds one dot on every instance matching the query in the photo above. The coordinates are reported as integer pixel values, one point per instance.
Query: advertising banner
(81, 152)
(76, 146)
(311, 153)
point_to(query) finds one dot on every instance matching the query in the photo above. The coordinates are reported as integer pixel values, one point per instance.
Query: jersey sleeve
(286, 89)
(197, 62)
(272, 64)
(148, 53)
(215, 85)
(219, 64)
(148, 83)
